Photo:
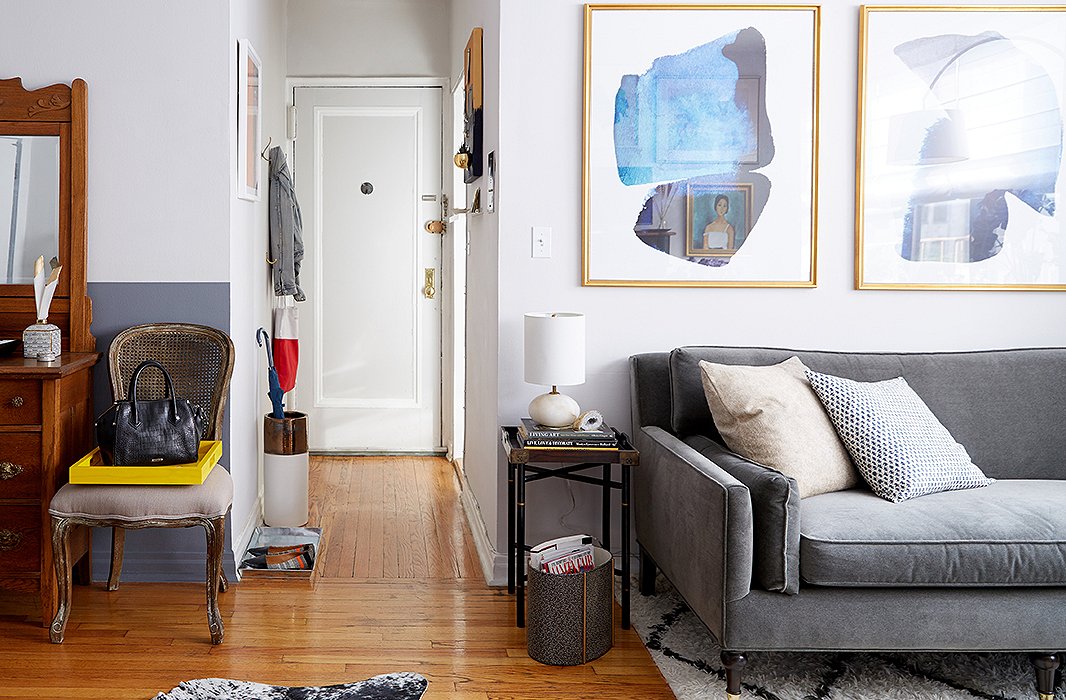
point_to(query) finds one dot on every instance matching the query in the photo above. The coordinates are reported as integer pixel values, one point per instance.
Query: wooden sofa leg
(646, 580)
(734, 663)
(1045, 665)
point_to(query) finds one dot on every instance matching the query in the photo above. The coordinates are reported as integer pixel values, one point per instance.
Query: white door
(368, 176)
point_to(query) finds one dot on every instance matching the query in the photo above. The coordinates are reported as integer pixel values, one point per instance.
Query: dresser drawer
(20, 402)
(20, 539)
(20, 465)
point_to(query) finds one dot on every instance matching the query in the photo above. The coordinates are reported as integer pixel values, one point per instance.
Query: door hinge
(290, 122)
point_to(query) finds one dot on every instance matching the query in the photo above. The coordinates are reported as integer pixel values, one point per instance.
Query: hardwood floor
(398, 589)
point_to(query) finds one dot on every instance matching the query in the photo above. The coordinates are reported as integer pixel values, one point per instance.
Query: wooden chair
(200, 362)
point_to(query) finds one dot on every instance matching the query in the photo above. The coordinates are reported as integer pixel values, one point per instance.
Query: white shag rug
(390, 686)
(688, 657)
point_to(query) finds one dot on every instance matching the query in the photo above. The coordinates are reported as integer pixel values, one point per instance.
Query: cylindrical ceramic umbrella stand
(285, 470)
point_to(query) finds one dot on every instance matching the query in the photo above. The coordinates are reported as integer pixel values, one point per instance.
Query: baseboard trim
(180, 567)
(244, 537)
(493, 563)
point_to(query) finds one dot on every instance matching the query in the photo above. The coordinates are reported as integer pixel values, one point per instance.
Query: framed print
(689, 109)
(249, 121)
(718, 219)
(960, 148)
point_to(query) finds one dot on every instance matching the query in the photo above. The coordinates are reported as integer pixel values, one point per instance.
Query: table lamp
(554, 356)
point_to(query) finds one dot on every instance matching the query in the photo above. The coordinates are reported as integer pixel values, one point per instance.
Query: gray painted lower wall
(158, 554)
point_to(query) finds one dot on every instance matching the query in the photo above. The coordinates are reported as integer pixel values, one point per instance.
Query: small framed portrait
(249, 121)
(719, 218)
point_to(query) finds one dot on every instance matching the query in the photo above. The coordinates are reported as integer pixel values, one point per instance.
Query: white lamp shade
(555, 348)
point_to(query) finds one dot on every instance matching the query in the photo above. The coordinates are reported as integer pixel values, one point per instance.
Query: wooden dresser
(45, 426)
(46, 408)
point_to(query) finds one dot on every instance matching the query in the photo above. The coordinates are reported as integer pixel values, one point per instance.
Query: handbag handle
(169, 390)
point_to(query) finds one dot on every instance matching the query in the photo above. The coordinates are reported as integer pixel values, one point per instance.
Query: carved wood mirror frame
(56, 110)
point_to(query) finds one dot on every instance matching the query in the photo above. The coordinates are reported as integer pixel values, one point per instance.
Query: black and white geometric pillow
(896, 442)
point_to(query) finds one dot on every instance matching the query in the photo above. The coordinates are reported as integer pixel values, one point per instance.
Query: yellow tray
(90, 469)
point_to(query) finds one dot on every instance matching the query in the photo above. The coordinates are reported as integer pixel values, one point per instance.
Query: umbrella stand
(285, 462)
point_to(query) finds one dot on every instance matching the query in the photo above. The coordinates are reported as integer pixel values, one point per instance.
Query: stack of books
(532, 435)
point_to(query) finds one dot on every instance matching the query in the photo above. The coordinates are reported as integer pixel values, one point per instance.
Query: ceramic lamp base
(42, 339)
(554, 410)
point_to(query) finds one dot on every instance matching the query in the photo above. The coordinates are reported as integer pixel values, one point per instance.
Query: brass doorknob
(462, 159)
(435, 226)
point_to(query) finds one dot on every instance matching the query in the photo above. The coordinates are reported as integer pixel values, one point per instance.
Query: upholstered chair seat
(132, 503)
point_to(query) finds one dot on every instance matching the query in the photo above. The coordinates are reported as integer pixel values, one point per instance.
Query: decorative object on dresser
(554, 356)
(42, 340)
(45, 409)
(199, 361)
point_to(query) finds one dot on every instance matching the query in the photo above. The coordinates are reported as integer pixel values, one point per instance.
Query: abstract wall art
(700, 145)
(960, 148)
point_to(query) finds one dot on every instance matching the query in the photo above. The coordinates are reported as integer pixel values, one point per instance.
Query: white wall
(347, 38)
(483, 278)
(158, 197)
(540, 152)
(262, 24)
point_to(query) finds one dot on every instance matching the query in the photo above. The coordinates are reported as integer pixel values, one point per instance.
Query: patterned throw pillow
(898, 445)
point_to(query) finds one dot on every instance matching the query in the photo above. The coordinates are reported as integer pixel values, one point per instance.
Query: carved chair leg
(223, 582)
(646, 581)
(1045, 665)
(61, 561)
(216, 535)
(118, 548)
(734, 666)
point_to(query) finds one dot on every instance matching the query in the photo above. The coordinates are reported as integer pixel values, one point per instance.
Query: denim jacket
(286, 229)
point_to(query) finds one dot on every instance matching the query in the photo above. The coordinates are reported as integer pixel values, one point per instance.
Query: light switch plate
(542, 241)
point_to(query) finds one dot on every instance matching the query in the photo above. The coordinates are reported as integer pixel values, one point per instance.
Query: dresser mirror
(29, 204)
(42, 206)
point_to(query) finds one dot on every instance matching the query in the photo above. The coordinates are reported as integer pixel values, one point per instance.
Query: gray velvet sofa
(973, 570)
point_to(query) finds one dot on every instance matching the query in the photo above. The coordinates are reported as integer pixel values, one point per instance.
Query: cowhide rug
(391, 686)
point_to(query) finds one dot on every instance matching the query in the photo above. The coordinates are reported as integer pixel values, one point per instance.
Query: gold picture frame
(623, 244)
(955, 165)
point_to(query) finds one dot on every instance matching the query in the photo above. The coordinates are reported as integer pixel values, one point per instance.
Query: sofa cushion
(770, 415)
(897, 443)
(775, 512)
(1012, 533)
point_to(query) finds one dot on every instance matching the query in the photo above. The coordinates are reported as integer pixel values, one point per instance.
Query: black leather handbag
(153, 433)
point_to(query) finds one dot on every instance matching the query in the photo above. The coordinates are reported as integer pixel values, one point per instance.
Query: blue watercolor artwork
(696, 121)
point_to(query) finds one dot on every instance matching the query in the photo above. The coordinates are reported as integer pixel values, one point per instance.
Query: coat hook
(262, 153)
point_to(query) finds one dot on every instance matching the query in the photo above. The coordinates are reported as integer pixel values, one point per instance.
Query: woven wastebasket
(569, 616)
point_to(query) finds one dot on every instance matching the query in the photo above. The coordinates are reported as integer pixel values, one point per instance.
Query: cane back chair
(200, 362)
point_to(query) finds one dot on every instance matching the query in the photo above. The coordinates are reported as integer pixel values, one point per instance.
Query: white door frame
(451, 342)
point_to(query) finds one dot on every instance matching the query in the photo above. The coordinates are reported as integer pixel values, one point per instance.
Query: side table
(520, 471)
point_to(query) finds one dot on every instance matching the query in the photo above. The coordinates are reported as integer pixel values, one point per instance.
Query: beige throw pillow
(772, 416)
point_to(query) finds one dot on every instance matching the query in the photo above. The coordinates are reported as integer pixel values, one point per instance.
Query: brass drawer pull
(17, 401)
(9, 540)
(9, 470)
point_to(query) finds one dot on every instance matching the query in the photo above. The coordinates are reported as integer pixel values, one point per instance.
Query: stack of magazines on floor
(299, 556)
(565, 555)
(532, 435)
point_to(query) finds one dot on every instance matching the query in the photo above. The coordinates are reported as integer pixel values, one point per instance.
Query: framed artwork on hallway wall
(960, 148)
(718, 104)
(249, 120)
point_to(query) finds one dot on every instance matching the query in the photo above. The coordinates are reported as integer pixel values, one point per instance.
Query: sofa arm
(695, 521)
